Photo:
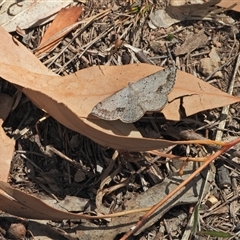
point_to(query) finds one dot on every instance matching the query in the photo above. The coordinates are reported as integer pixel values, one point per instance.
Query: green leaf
(135, 9)
(170, 37)
(215, 234)
(195, 219)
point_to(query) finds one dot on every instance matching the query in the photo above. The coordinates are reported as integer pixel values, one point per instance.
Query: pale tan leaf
(22, 204)
(228, 3)
(59, 28)
(70, 99)
(7, 144)
(29, 13)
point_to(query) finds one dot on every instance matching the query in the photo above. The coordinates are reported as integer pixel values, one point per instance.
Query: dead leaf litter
(72, 173)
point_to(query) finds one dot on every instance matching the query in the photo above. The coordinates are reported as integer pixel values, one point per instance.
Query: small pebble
(79, 176)
(16, 231)
(232, 110)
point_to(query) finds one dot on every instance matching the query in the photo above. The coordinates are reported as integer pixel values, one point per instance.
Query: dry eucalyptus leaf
(29, 13)
(70, 99)
(190, 11)
(59, 28)
(192, 2)
(192, 42)
(179, 10)
(228, 3)
(7, 144)
(21, 204)
(160, 18)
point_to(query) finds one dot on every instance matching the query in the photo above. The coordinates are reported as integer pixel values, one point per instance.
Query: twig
(167, 230)
(220, 68)
(88, 45)
(88, 22)
(225, 109)
(175, 157)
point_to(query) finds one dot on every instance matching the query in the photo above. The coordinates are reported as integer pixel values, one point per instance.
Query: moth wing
(133, 110)
(161, 81)
(112, 107)
(133, 101)
(154, 102)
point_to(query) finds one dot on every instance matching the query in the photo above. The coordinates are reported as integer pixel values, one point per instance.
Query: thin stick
(225, 109)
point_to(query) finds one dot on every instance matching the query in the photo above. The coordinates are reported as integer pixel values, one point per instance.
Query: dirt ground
(55, 163)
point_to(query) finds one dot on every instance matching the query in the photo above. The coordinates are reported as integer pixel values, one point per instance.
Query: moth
(132, 102)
